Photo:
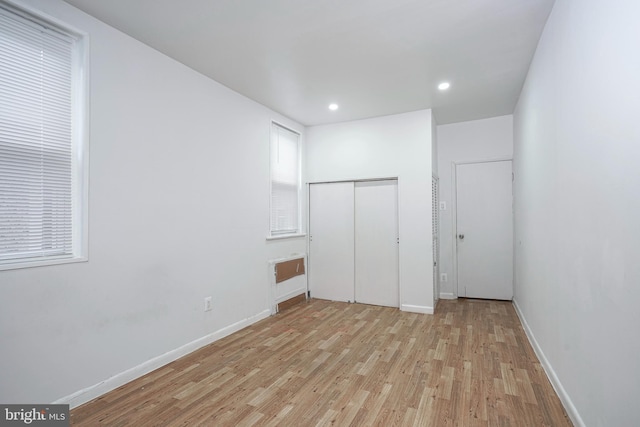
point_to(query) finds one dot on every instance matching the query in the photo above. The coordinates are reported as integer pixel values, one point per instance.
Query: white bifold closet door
(353, 254)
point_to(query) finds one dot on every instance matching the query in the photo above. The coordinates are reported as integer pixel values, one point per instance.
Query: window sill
(286, 236)
(8, 265)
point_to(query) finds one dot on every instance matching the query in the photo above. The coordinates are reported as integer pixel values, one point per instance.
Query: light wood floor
(328, 363)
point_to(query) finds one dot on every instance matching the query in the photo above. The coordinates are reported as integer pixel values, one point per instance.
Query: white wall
(463, 142)
(391, 146)
(178, 210)
(434, 146)
(577, 188)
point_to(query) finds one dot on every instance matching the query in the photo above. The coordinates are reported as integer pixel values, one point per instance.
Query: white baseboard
(572, 412)
(416, 308)
(447, 295)
(85, 395)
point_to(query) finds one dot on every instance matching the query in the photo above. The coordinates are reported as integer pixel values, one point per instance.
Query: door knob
(461, 236)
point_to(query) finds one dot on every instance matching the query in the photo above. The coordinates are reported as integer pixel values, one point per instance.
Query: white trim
(289, 128)
(453, 205)
(307, 241)
(572, 412)
(82, 142)
(400, 246)
(448, 295)
(423, 309)
(85, 395)
(390, 178)
(288, 258)
(40, 262)
(286, 236)
(488, 160)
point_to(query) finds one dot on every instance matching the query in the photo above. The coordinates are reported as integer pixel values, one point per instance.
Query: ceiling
(372, 57)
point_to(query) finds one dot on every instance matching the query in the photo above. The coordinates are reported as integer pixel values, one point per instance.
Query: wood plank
(291, 302)
(329, 363)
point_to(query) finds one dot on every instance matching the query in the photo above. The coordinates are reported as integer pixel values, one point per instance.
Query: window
(285, 181)
(42, 177)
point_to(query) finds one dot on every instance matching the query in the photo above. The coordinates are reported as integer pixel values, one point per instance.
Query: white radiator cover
(289, 288)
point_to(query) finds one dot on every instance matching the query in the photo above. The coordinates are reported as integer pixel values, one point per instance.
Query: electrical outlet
(208, 302)
(443, 277)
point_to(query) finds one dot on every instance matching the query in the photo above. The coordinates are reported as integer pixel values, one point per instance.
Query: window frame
(79, 138)
(278, 234)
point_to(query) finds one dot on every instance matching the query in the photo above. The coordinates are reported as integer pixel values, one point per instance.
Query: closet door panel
(331, 241)
(376, 243)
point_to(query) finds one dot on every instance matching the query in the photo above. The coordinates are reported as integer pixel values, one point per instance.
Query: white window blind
(285, 180)
(36, 140)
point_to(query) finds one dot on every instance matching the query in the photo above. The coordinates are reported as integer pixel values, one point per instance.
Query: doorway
(484, 230)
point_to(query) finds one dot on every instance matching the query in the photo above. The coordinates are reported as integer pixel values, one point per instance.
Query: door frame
(308, 215)
(454, 211)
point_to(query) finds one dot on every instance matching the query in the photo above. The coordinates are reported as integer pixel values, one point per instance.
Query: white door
(484, 217)
(376, 243)
(331, 243)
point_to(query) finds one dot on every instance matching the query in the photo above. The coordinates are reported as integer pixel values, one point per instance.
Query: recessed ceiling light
(444, 86)
(333, 107)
